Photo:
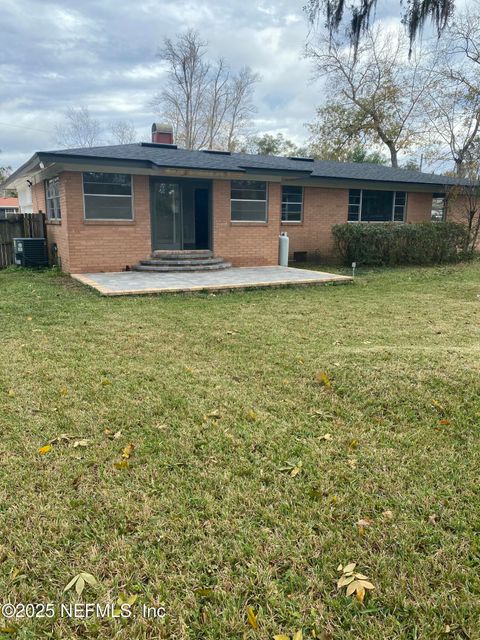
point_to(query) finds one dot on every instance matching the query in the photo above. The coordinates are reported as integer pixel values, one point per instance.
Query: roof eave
(24, 169)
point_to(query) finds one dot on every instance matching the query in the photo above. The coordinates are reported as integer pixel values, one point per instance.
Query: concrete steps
(190, 260)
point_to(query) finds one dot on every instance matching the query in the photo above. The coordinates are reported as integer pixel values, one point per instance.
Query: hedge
(392, 244)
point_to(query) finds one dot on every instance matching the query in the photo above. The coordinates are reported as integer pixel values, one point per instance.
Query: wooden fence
(22, 225)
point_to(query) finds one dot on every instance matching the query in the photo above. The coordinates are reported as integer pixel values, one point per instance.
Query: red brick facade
(88, 246)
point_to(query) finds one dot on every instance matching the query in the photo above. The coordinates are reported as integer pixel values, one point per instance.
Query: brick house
(110, 207)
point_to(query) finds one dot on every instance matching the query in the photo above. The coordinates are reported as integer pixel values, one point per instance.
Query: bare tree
(452, 102)
(414, 15)
(78, 129)
(123, 132)
(206, 105)
(374, 93)
(240, 107)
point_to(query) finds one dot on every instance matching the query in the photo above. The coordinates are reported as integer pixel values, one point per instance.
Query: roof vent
(301, 159)
(220, 153)
(162, 145)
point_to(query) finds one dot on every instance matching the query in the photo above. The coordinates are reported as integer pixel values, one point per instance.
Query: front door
(167, 228)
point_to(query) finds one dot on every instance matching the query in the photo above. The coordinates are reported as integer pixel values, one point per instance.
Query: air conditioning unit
(30, 252)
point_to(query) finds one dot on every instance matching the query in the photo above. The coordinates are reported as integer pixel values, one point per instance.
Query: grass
(203, 503)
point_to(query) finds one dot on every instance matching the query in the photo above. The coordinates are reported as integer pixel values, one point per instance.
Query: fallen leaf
(121, 464)
(360, 594)
(438, 407)
(296, 469)
(64, 391)
(127, 451)
(81, 443)
(124, 598)
(298, 635)
(252, 416)
(349, 567)
(444, 422)
(361, 524)
(322, 378)
(29, 318)
(326, 436)
(79, 582)
(214, 414)
(8, 629)
(45, 449)
(281, 637)
(387, 514)
(106, 382)
(353, 444)
(252, 618)
(352, 463)
(11, 393)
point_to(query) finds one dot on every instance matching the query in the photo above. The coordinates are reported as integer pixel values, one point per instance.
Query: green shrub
(392, 244)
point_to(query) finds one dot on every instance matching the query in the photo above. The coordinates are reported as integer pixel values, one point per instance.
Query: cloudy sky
(102, 54)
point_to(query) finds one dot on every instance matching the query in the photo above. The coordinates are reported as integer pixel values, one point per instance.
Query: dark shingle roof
(170, 156)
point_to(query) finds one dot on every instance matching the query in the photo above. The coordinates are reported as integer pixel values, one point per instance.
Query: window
(248, 201)
(376, 206)
(439, 207)
(292, 204)
(108, 196)
(53, 199)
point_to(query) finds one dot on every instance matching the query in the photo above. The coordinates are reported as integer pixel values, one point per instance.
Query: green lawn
(219, 394)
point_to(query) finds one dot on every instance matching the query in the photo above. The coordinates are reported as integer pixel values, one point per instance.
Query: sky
(102, 54)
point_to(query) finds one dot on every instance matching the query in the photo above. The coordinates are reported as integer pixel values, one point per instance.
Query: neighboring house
(8, 206)
(110, 207)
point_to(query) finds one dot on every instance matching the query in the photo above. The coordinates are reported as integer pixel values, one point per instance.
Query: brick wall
(322, 208)
(57, 233)
(245, 244)
(111, 245)
(419, 207)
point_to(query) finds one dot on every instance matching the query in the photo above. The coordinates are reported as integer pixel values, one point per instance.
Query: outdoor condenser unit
(30, 252)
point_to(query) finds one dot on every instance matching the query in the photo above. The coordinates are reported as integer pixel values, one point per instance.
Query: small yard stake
(354, 266)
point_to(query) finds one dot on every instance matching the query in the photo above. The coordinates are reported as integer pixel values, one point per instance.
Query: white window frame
(107, 195)
(249, 200)
(57, 214)
(392, 219)
(287, 203)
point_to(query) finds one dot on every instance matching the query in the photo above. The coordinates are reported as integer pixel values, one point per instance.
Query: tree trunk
(393, 154)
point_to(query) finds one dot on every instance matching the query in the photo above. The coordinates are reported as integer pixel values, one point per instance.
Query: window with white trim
(367, 205)
(52, 197)
(248, 201)
(292, 203)
(107, 196)
(439, 207)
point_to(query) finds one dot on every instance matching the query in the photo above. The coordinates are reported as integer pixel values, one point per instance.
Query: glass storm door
(167, 216)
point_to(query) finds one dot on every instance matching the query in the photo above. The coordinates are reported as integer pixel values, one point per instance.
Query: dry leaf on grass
(128, 450)
(326, 436)
(292, 467)
(252, 618)
(79, 581)
(387, 514)
(356, 583)
(45, 449)
(362, 524)
(322, 378)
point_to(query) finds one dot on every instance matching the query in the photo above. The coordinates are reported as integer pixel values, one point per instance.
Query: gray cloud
(102, 53)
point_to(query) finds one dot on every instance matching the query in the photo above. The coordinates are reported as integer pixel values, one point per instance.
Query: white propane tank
(283, 249)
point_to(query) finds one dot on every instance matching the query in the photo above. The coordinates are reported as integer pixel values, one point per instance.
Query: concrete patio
(135, 282)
